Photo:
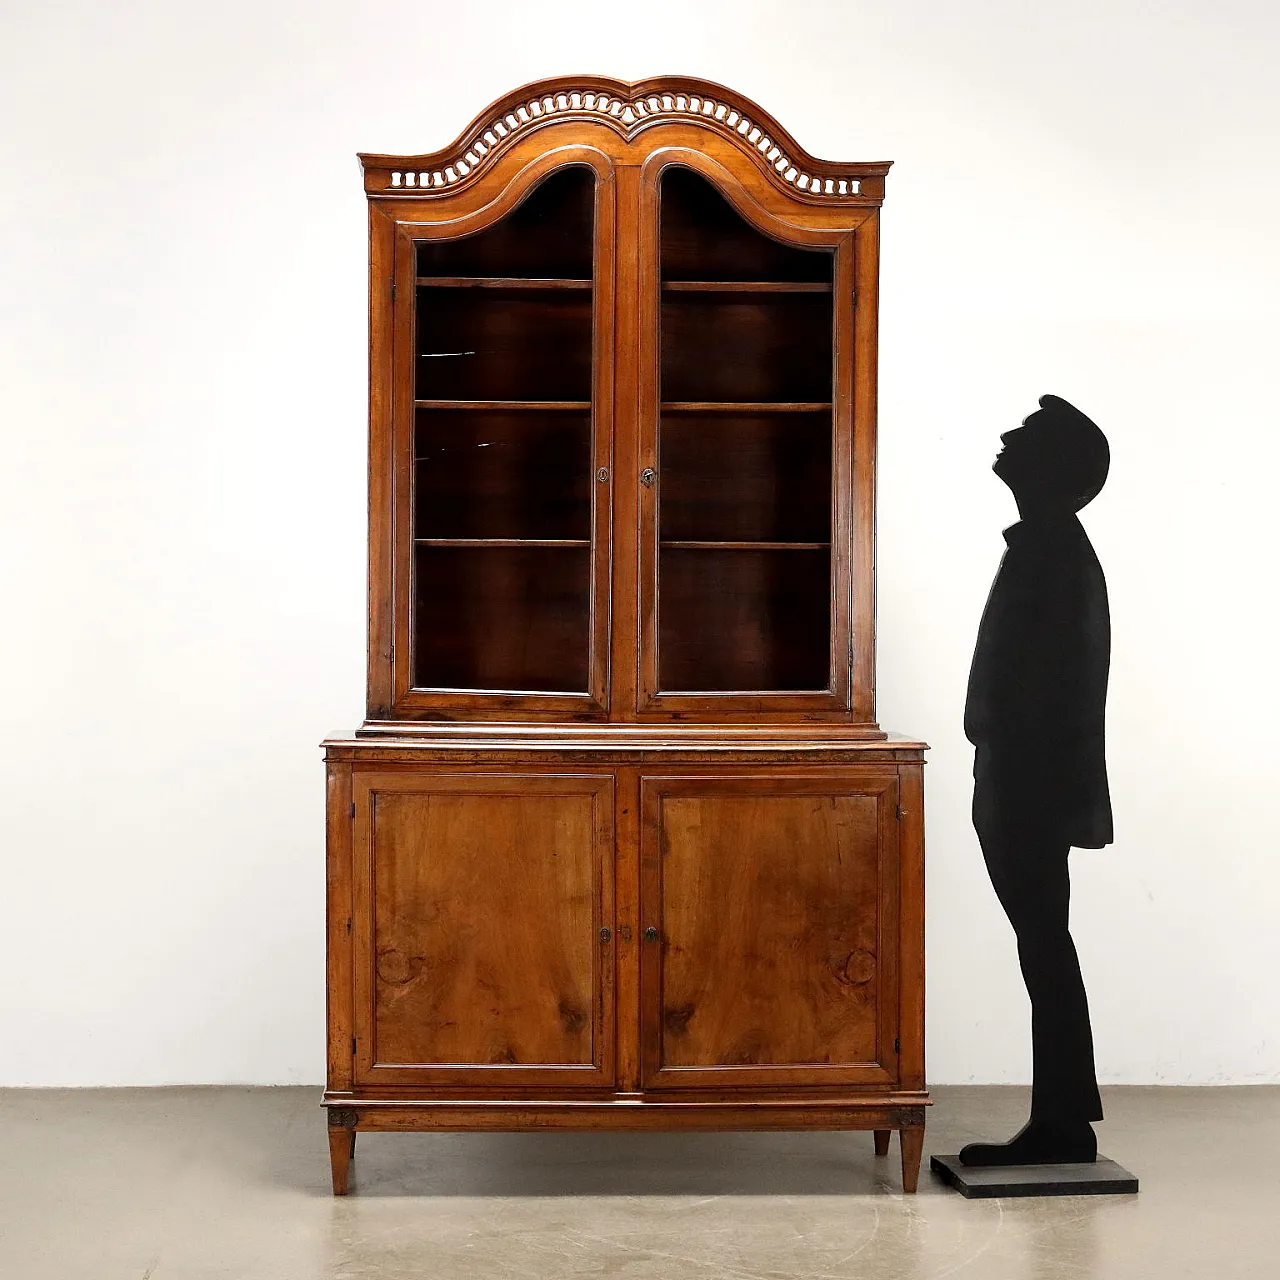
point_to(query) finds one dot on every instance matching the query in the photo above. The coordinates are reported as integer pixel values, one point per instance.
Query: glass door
(510, 460)
(743, 592)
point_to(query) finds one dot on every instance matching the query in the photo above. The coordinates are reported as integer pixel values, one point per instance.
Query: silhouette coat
(1035, 715)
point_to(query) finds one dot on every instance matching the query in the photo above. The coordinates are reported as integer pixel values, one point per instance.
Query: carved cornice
(628, 108)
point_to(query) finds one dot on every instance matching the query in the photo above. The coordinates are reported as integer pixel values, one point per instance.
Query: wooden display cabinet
(620, 844)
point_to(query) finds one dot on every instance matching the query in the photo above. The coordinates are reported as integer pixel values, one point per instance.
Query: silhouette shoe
(1038, 1142)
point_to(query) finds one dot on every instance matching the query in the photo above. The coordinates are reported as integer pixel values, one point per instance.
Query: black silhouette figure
(1035, 714)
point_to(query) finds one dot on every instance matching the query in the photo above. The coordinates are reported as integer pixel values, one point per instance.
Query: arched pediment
(629, 108)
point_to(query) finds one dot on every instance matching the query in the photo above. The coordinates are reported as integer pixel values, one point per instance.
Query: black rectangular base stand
(1101, 1178)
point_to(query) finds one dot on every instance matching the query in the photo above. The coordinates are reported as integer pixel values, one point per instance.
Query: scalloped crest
(628, 108)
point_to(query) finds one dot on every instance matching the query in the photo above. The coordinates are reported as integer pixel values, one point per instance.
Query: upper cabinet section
(622, 416)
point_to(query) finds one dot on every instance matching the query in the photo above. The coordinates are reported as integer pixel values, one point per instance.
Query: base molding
(349, 1115)
(459, 1116)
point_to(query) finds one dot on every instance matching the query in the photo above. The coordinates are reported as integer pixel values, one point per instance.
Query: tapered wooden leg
(912, 1141)
(882, 1137)
(342, 1145)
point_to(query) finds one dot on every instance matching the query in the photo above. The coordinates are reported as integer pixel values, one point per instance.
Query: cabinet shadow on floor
(622, 1164)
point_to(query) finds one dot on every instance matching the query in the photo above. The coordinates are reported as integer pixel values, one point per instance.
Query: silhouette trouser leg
(1033, 883)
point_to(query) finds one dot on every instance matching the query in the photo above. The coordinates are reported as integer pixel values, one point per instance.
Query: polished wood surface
(342, 1146)
(630, 110)
(476, 950)
(773, 898)
(911, 1139)
(484, 630)
(811, 832)
(479, 905)
(626, 1115)
(678, 204)
(769, 637)
(620, 844)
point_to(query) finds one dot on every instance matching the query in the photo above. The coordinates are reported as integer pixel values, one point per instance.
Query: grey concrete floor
(215, 1184)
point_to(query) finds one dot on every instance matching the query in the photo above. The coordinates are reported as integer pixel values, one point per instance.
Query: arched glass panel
(502, 467)
(745, 451)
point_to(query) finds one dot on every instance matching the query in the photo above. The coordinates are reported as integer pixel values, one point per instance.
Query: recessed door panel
(480, 905)
(774, 904)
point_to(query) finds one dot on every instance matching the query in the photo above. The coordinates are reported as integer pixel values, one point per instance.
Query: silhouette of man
(1035, 714)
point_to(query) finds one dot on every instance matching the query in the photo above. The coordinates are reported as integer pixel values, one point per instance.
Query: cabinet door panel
(502, 422)
(479, 905)
(745, 375)
(775, 901)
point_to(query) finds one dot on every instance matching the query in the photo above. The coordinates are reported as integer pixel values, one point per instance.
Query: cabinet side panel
(339, 921)
(912, 970)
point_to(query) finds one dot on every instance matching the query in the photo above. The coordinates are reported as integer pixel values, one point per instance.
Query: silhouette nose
(1008, 435)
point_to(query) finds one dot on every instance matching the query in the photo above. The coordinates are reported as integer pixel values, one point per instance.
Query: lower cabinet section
(618, 945)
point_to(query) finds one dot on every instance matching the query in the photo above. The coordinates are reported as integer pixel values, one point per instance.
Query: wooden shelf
(745, 406)
(746, 286)
(746, 546)
(502, 542)
(501, 282)
(560, 405)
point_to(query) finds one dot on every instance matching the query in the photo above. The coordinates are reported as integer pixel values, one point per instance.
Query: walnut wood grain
(636, 1114)
(912, 1142)
(536, 406)
(479, 905)
(342, 1146)
(745, 286)
(340, 1016)
(774, 960)
(500, 282)
(544, 468)
(444, 742)
(631, 109)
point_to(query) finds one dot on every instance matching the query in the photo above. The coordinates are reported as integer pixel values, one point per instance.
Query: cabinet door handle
(647, 477)
(651, 934)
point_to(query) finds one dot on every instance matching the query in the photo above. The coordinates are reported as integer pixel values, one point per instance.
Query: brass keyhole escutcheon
(603, 474)
(647, 477)
(605, 934)
(651, 934)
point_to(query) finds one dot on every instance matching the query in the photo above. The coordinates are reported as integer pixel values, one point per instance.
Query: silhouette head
(1056, 462)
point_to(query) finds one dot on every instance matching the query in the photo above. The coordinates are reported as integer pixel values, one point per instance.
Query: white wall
(1083, 203)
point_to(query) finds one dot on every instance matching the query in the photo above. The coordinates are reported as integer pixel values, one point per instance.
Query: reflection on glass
(745, 441)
